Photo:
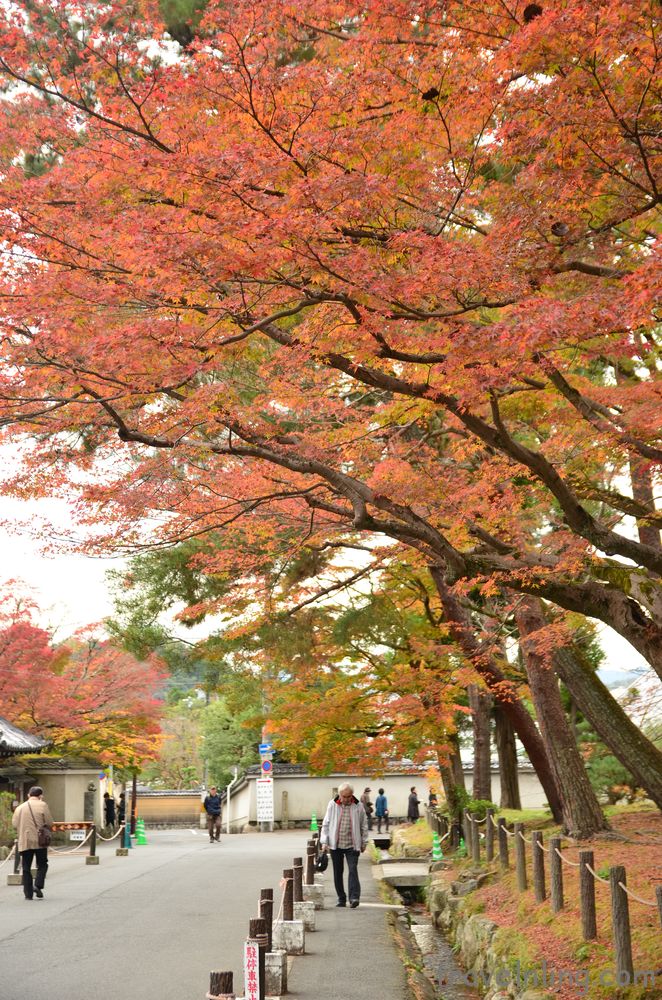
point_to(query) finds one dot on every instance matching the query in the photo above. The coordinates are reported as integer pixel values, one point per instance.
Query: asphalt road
(153, 925)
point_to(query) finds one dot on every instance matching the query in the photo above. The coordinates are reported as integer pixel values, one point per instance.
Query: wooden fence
(497, 838)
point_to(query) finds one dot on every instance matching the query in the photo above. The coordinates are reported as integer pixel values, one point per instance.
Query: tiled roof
(14, 740)
(60, 763)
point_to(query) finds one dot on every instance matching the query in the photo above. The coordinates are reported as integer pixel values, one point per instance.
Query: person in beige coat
(27, 819)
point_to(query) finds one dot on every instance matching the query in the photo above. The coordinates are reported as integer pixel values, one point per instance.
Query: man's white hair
(345, 787)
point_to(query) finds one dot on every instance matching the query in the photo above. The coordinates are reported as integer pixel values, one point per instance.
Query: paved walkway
(153, 925)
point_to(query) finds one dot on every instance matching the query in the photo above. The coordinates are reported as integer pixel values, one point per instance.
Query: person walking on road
(212, 806)
(368, 806)
(121, 808)
(27, 820)
(412, 807)
(345, 835)
(381, 810)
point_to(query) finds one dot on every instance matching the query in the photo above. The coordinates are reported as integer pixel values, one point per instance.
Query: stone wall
(485, 950)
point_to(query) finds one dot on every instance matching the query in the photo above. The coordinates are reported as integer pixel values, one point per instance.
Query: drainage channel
(438, 960)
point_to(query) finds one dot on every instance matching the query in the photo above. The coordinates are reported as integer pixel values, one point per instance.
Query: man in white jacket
(345, 835)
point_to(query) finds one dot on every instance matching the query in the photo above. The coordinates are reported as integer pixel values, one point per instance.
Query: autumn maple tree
(387, 269)
(85, 696)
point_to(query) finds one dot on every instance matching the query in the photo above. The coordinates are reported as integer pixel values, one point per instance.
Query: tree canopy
(330, 270)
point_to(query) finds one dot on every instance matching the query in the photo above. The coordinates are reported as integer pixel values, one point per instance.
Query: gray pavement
(153, 925)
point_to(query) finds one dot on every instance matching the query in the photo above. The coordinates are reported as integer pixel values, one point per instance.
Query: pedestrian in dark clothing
(212, 806)
(412, 807)
(381, 810)
(432, 800)
(109, 809)
(121, 808)
(27, 820)
(367, 805)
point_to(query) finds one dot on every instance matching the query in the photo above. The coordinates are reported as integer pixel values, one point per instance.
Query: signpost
(265, 800)
(251, 970)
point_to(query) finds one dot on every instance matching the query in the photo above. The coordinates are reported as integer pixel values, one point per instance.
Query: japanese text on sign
(265, 800)
(251, 970)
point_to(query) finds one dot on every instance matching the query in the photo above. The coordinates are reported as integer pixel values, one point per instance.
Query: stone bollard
(258, 932)
(275, 972)
(305, 911)
(290, 936)
(16, 877)
(314, 894)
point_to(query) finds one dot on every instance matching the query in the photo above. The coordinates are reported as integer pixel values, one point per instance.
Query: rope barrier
(573, 864)
(108, 839)
(595, 874)
(57, 850)
(9, 856)
(483, 820)
(508, 833)
(527, 840)
(629, 892)
(282, 884)
(494, 822)
(542, 846)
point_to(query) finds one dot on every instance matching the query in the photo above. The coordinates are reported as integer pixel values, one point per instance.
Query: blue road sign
(265, 747)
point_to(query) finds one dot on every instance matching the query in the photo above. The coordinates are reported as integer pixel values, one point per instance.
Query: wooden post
(311, 851)
(258, 931)
(520, 858)
(221, 984)
(555, 874)
(475, 841)
(267, 913)
(93, 842)
(489, 836)
(503, 843)
(297, 868)
(17, 858)
(658, 896)
(620, 920)
(456, 830)
(538, 868)
(444, 826)
(587, 896)
(288, 895)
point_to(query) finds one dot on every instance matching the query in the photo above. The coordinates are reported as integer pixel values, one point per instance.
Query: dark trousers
(380, 820)
(41, 854)
(338, 858)
(214, 826)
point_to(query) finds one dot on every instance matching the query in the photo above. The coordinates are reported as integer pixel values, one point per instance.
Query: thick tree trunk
(642, 491)
(504, 737)
(582, 815)
(480, 703)
(504, 691)
(616, 730)
(456, 762)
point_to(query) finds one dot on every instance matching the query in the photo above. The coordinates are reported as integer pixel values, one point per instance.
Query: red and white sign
(251, 970)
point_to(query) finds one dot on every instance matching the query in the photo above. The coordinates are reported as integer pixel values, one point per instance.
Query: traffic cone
(437, 853)
(140, 832)
(462, 850)
(313, 823)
